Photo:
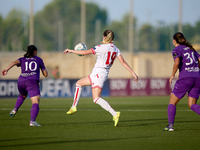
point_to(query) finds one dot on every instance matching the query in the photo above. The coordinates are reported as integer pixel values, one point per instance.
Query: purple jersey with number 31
(30, 68)
(189, 66)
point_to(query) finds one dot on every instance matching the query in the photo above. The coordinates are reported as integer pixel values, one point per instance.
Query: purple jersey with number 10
(30, 68)
(189, 66)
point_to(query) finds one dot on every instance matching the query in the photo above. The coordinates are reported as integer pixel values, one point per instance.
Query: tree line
(57, 27)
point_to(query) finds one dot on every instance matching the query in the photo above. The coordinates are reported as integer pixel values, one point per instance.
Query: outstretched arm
(5, 71)
(124, 63)
(45, 73)
(175, 68)
(81, 52)
(199, 62)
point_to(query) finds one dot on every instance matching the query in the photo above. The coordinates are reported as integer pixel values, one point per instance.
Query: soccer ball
(80, 46)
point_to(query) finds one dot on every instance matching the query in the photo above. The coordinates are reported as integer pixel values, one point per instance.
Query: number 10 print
(29, 66)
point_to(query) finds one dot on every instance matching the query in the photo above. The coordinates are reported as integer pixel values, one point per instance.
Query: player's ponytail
(109, 36)
(30, 51)
(180, 39)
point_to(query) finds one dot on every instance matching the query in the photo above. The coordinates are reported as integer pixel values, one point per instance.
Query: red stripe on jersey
(93, 51)
(97, 76)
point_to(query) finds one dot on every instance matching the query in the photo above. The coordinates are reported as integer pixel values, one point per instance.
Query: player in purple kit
(28, 81)
(187, 60)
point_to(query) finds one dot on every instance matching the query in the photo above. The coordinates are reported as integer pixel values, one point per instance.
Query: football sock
(34, 111)
(19, 101)
(196, 108)
(77, 95)
(171, 114)
(105, 105)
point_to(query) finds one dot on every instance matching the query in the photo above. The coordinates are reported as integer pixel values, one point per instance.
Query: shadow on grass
(141, 122)
(23, 139)
(144, 122)
(66, 141)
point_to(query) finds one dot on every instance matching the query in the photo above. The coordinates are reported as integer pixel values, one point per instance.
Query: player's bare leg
(96, 92)
(193, 106)
(79, 84)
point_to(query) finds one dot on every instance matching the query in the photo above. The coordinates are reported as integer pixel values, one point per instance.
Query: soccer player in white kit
(106, 53)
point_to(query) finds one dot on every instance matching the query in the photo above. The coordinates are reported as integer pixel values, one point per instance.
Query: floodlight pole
(31, 28)
(131, 49)
(97, 31)
(60, 34)
(83, 22)
(83, 28)
(130, 43)
(180, 16)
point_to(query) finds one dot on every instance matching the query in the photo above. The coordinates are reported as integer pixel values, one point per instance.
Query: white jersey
(106, 54)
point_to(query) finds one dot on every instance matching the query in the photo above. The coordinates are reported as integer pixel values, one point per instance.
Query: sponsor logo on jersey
(174, 55)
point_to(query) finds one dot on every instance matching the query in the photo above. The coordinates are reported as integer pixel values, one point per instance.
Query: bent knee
(78, 83)
(191, 101)
(190, 105)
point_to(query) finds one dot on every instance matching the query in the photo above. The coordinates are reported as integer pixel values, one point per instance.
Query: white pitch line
(90, 109)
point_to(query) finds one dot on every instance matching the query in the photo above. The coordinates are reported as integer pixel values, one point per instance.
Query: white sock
(77, 95)
(105, 105)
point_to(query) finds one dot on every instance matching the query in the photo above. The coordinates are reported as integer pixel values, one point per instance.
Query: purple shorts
(29, 86)
(184, 85)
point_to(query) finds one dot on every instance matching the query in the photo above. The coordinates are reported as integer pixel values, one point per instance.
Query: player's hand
(67, 51)
(170, 80)
(135, 77)
(4, 72)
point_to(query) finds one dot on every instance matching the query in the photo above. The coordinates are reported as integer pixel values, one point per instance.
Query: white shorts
(98, 78)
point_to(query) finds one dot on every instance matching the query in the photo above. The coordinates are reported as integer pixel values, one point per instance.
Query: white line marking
(90, 109)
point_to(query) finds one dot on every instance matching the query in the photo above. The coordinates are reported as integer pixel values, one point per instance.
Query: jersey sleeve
(118, 52)
(95, 49)
(176, 53)
(197, 54)
(20, 60)
(42, 66)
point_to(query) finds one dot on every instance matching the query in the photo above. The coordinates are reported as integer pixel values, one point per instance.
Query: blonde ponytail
(109, 37)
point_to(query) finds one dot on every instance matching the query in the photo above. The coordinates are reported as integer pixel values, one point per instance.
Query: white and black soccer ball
(80, 46)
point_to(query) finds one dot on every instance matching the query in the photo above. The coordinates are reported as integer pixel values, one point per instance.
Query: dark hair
(30, 51)
(180, 39)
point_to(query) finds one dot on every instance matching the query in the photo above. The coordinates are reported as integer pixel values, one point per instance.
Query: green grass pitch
(91, 128)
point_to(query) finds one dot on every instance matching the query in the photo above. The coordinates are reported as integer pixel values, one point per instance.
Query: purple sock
(171, 114)
(196, 108)
(19, 101)
(34, 111)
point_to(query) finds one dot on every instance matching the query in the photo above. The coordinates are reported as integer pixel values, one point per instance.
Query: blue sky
(146, 11)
